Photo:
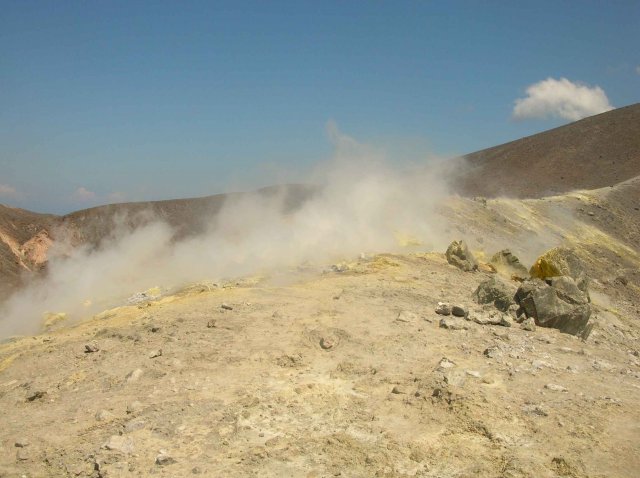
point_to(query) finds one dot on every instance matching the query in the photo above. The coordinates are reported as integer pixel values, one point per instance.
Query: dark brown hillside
(185, 216)
(595, 152)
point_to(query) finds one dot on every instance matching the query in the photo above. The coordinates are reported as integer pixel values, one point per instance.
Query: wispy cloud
(638, 69)
(82, 194)
(116, 196)
(561, 98)
(7, 191)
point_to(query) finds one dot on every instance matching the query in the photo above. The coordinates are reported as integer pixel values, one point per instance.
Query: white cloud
(638, 69)
(8, 191)
(561, 99)
(82, 194)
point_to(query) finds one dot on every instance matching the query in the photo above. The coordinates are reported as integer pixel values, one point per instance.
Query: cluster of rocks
(444, 308)
(553, 293)
(457, 311)
(503, 262)
(557, 294)
(480, 316)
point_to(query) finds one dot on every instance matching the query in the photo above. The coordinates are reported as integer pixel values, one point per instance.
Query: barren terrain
(602, 150)
(342, 369)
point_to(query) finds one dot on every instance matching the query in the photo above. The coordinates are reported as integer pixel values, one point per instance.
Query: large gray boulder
(497, 292)
(557, 303)
(459, 255)
(507, 264)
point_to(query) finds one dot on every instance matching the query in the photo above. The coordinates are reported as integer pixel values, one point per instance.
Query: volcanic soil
(346, 371)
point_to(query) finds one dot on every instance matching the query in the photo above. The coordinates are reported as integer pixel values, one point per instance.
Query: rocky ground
(347, 371)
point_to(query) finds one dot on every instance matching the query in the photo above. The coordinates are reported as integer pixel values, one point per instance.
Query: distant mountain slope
(186, 216)
(22, 234)
(595, 152)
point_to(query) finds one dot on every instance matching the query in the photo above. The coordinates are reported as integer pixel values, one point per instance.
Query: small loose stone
(453, 324)
(327, 343)
(133, 426)
(36, 395)
(22, 454)
(406, 316)
(119, 443)
(134, 407)
(459, 311)
(163, 459)
(104, 415)
(443, 308)
(555, 388)
(492, 352)
(528, 325)
(445, 363)
(134, 375)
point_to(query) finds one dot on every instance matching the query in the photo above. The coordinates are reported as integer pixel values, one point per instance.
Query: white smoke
(362, 205)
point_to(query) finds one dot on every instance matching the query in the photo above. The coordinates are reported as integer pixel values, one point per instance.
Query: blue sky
(110, 101)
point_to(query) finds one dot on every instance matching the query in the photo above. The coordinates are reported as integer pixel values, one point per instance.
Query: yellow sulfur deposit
(51, 319)
(551, 264)
(153, 292)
